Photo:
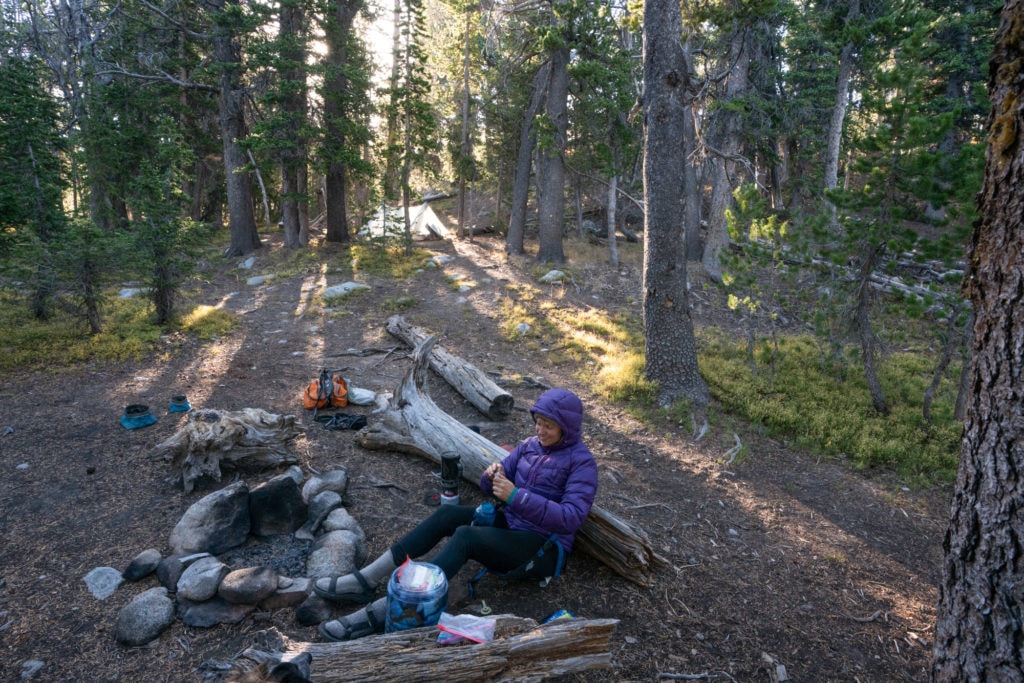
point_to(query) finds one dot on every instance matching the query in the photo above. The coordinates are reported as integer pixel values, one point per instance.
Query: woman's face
(548, 431)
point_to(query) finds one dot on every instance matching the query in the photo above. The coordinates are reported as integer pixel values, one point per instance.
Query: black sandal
(360, 597)
(351, 631)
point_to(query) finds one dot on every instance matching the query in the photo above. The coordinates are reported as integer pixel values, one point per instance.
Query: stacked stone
(198, 584)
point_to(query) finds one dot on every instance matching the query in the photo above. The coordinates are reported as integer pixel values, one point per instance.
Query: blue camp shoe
(137, 416)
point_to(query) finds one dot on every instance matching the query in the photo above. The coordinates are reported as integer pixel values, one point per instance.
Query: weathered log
(250, 438)
(521, 651)
(465, 378)
(413, 423)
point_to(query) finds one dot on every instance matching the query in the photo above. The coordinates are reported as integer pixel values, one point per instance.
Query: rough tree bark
(551, 165)
(241, 218)
(412, 423)
(338, 36)
(669, 341)
(475, 387)
(730, 144)
(978, 630)
(521, 651)
(521, 182)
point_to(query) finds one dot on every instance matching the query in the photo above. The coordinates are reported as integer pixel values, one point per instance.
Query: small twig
(732, 452)
(650, 505)
(685, 677)
(864, 620)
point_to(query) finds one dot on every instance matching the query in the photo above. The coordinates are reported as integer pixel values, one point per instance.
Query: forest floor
(779, 557)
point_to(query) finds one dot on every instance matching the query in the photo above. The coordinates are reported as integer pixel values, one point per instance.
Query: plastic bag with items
(460, 628)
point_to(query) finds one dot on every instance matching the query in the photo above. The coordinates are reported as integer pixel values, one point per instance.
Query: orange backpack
(325, 391)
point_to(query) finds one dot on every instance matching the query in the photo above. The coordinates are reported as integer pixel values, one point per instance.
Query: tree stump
(250, 438)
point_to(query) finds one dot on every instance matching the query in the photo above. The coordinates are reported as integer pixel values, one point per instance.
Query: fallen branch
(521, 651)
(475, 386)
(412, 423)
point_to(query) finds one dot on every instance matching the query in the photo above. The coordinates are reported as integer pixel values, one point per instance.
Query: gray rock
(321, 505)
(144, 564)
(333, 480)
(257, 280)
(335, 554)
(340, 520)
(211, 612)
(552, 276)
(201, 579)
(276, 507)
(248, 586)
(171, 567)
(289, 593)
(30, 667)
(214, 523)
(145, 617)
(103, 581)
(313, 611)
(342, 290)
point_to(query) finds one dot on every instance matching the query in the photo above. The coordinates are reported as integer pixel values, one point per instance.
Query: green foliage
(209, 322)
(387, 261)
(29, 343)
(806, 405)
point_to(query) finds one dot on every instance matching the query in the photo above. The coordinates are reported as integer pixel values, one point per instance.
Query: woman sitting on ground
(547, 483)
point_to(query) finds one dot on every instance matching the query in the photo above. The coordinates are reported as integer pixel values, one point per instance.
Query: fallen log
(412, 423)
(521, 651)
(250, 438)
(468, 380)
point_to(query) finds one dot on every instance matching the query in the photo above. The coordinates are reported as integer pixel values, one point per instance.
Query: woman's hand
(502, 486)
(492, 470)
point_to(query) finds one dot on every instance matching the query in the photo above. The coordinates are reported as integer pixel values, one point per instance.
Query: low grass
(63, 339)
(788, 393)
(804, 403)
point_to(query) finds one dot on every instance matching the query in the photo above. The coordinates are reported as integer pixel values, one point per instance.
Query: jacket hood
(566, 409)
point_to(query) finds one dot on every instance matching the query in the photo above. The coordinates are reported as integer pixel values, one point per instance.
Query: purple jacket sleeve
(508, 464)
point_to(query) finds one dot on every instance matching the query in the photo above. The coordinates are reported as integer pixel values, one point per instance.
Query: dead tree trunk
(412, 423)
(250, 438)
(475, 386)
(521, 651)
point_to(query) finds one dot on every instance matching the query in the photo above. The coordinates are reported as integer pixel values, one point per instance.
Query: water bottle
(484, 514)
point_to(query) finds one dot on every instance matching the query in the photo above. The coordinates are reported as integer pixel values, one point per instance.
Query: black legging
(497, 547)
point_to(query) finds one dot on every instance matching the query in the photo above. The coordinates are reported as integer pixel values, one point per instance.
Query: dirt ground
(778, 557)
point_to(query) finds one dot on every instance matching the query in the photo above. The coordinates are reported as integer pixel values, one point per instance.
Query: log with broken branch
(520, 651)
(468, 380)
(413, 423)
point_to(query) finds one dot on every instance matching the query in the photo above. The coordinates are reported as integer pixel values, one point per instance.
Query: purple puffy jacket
(556, 485)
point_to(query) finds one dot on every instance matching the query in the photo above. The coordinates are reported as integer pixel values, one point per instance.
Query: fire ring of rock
(236, 522)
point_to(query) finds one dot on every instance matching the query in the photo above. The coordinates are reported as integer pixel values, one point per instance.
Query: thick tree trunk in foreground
(978, 630)
(475, 386)
(669, 341)
(414, 424)
(521, 651)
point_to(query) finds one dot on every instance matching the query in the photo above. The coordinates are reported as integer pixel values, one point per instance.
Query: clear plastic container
(417, 595)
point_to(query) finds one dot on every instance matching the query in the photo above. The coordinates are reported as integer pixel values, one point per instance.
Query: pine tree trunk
(521, 182)
(729, 144)
(551, 165)
(978, 630)
(241, 217)
(337, 36)
(669, 341)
